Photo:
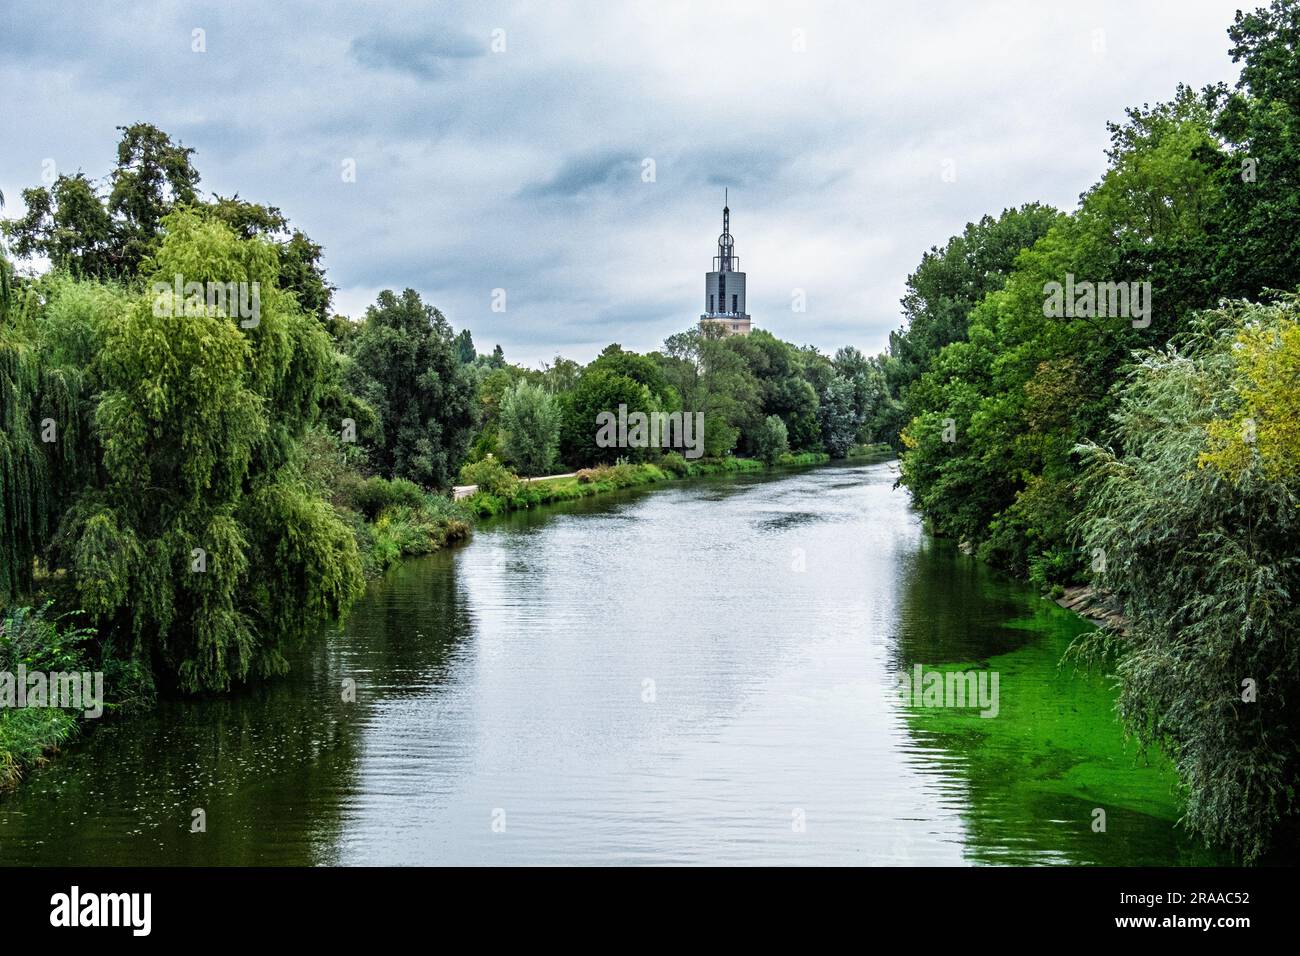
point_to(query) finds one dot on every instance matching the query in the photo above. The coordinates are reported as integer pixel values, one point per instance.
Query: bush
(33, 638)
(1203, 555)
(373, 496)
(491, 477)
(673, 462)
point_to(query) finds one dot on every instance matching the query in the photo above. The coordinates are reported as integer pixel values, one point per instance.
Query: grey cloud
(424, 54)
(583, 173)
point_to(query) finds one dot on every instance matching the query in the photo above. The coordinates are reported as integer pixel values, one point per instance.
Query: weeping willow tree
(197, 542)
(1198, 519)
(49, 343)
(25, 505)
(39, 433)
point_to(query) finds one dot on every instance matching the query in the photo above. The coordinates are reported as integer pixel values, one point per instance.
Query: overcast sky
(523, 169)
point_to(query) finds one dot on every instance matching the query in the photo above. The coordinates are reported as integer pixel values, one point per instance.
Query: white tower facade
(724, 287)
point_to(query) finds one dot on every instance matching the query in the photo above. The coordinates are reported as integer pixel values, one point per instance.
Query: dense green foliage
(1202, 549)
(179, 470)
(201, 492)
(110, 233)
(530, 428)
(1151, 453)
(771, 440)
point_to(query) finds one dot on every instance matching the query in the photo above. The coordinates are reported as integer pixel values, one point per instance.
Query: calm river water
(700, 673)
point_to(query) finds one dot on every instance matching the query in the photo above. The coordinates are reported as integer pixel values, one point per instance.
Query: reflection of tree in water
(952, 608)
(273, 766)
(1029, 778)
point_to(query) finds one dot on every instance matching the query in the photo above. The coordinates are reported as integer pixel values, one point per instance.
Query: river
(703, 672)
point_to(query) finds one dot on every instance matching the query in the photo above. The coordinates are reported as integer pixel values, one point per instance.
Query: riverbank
(392, 520)
(53, 678)
(525, 495)
(1095, 606)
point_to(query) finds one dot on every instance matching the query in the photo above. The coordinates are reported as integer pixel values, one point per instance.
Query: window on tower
(710, 301)
(733, 304)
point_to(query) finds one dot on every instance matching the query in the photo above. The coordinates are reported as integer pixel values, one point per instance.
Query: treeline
(756, 396)
(200, 462)
(1156, 455)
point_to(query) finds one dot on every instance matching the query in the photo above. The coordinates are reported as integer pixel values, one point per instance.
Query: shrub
(491, 477)
(373, 496)
(33, 638)
(673, 462)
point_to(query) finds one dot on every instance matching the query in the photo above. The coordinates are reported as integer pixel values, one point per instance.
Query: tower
(724, 287)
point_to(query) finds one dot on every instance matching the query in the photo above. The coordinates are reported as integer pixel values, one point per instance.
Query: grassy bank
(34, 641)
(880, 451)
(390, 519)
(504, 492)
(397, 519)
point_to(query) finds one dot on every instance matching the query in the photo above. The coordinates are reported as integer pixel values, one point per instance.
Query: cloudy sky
(505, 145)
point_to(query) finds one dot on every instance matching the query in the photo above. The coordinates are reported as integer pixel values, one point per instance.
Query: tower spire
(726, 244)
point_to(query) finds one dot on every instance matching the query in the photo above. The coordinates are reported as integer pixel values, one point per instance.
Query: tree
(465, 347)
(490, 388)
(1263, 433)
(874, 409)
(976, 471)
(783, 386)
(837, 417)
(560, 375)
(598, 391)
(197, 546)
(300, 268)
(1201, 550)
(711, 377)
(109, 237)
(770, 440)
(641, 369)
(1259, 219)
(530, 428)
(405, 366)
(153, 176)
(69, 224)
(951, 281)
